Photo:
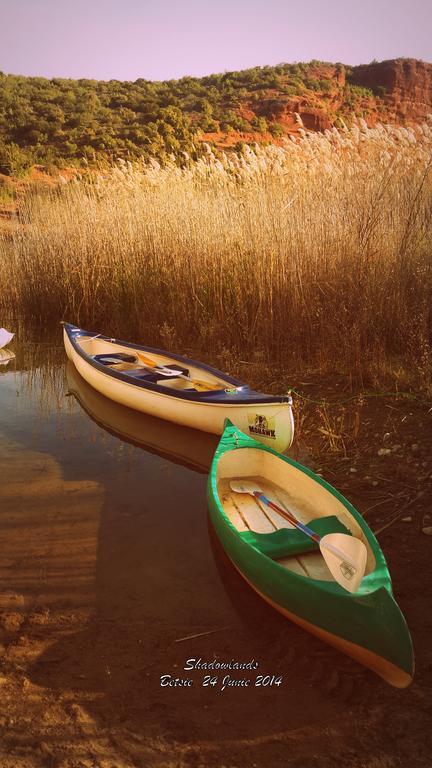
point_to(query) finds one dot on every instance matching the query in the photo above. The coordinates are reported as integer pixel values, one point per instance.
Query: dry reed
(317, 252)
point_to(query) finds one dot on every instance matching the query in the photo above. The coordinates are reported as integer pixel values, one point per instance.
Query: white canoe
(5, 337)
(116, 369)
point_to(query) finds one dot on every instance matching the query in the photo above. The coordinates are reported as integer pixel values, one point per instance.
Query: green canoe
(286, 567)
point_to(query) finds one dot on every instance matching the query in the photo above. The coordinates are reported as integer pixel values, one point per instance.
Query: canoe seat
(290, 541)
(117, 357)
(152, 375)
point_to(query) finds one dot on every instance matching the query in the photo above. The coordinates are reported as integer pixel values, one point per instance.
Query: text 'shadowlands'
(224, 677)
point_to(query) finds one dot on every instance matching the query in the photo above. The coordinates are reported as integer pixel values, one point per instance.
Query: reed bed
(316, 253)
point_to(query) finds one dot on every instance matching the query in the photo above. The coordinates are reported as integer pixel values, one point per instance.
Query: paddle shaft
(308, 531)
(151, 364)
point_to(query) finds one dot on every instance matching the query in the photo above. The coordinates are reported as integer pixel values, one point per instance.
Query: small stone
(353, 470)
(407, 519)
(384, 451)
(427, 530)
(374, 483)
(386, 436)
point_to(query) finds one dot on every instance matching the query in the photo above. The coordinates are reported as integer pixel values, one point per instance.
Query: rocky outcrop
(315, 119)
(404, 84)
(284, 111)
(398, 91)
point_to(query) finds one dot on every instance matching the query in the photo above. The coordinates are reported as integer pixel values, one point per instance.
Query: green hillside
(62, 121)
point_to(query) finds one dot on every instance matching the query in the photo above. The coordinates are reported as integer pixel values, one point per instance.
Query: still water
(106, 534)
(139, 485)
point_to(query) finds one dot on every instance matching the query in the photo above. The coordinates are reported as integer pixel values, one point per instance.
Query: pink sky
(163, 39)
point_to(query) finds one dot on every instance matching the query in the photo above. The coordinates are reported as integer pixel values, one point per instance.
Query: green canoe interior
(94, 346)
(290, 488)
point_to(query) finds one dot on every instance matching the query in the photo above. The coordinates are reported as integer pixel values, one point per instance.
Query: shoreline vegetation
(315, 253)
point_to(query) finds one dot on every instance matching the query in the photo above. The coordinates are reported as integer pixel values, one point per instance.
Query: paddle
(344, 555)
(164, 371)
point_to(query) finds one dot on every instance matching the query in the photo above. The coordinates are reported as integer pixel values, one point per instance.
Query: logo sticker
(263, 426)
(347, 570)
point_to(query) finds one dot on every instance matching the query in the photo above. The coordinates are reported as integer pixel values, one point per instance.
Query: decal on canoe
(262, 425)
(347, 570)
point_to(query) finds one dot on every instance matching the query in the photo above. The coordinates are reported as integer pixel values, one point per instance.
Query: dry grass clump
(317, 252)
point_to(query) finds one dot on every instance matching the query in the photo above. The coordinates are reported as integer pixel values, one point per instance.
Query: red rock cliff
(407, 84)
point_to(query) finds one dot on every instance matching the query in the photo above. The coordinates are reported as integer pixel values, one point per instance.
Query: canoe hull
(389, 672)
(204, 416)
(368, 626)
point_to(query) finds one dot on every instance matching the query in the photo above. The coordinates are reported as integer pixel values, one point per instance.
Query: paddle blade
(346, 559)
(242, 486)
(146, 360)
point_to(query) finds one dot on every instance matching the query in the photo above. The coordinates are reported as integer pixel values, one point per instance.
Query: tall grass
(314, 253)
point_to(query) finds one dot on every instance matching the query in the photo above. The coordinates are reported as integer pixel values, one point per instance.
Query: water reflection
(182, 445)
(6, 356)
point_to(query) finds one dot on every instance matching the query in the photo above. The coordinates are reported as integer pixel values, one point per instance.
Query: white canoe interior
(93, 346)
(289, 488)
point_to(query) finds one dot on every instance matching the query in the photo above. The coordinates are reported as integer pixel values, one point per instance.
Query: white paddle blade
(242, 486)
(5, 337)
(346, 559)
(169, 372)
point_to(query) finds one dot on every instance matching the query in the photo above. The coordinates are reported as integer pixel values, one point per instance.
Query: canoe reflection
(253, 612)
(181, 445)
(6, 355)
